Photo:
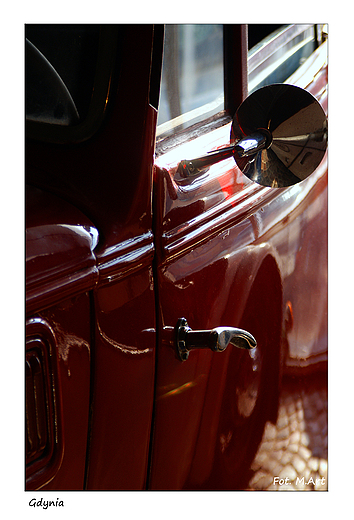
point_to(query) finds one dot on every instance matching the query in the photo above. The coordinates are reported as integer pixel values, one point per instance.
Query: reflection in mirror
(297, 126)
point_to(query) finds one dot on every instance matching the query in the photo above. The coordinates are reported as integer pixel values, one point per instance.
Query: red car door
(90, 289)
(223, 247)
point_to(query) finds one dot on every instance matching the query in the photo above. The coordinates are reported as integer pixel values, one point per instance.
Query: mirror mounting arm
(243, 148)
(280, 134)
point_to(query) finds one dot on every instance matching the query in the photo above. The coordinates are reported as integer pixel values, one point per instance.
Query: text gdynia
(46, 503)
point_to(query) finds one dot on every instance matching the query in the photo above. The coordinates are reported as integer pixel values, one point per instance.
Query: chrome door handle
(216, 339)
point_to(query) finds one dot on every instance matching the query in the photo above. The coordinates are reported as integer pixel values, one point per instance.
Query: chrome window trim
(195, 115)
(306, 73)
(270, 53)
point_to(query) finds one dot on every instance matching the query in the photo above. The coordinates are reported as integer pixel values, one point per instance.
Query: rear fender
(256, 289)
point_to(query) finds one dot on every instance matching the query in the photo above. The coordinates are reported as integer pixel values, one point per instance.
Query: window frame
(235, 48)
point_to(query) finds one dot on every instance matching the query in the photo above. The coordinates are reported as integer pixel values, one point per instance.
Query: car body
(119, 247)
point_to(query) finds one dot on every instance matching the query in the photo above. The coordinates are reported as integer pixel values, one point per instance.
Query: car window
(60, 70)
(276, 56)
(192, 84)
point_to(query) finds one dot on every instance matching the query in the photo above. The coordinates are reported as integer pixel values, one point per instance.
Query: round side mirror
(292, 126)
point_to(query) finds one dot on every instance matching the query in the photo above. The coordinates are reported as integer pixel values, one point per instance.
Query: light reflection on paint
(179, 389)
(182, 388)
(127, 349)
(66, 341)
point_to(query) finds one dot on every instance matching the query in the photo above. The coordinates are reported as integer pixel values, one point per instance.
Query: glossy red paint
(100, 357)
(125, 339)
(44, 435)
(59, 250)
(231, 253)
(70, 324)
(60, 271)
(119, 248)
(102, 175)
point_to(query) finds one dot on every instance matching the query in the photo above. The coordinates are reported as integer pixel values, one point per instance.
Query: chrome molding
(279, 47)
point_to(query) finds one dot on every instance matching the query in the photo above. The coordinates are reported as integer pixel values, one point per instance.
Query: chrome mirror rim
(296, 127)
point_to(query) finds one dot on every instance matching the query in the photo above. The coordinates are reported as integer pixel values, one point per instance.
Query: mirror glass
(296, 129)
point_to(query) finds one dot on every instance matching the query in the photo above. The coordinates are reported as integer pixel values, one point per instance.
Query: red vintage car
(176, 257)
